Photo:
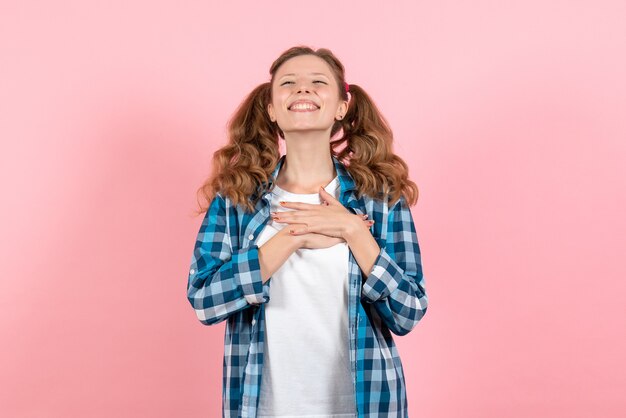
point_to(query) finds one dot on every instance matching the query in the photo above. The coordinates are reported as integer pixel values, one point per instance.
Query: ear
(270, 111)
(343, 108)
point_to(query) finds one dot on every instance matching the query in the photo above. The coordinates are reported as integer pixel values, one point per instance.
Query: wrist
(295, 242)
(354, 228)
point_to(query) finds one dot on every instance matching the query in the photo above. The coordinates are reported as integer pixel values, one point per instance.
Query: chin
(302, 129)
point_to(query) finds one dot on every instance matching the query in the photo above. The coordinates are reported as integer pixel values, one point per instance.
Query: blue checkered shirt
(225, 284)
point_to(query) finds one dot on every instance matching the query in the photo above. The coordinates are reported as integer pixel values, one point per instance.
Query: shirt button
(192, 271)
(251, 236)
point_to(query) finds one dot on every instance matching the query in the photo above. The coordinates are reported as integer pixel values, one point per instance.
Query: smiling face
(305, 96)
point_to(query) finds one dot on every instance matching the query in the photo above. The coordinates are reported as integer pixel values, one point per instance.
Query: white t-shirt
(306, 363)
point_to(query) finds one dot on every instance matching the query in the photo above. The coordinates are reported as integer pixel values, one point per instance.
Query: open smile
(303, 106)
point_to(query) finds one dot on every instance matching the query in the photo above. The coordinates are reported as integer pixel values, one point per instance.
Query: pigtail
(369, 149)
(247, 160)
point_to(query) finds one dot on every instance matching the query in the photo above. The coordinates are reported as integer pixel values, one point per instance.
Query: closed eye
(315, 81)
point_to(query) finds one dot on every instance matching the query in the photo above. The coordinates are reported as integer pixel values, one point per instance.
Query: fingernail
(364, 215)
(370, 222)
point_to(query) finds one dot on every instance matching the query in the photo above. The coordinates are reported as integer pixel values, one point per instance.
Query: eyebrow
(285, 75)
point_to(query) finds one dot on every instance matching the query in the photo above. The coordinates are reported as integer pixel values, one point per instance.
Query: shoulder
(223, 200)
(217, 203)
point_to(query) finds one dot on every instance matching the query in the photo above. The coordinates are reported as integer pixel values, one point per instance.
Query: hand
(330, 218)
(313, 241)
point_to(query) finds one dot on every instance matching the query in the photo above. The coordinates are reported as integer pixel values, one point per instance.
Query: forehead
(303, 65)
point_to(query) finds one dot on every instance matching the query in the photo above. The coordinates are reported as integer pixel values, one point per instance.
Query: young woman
(310, 288)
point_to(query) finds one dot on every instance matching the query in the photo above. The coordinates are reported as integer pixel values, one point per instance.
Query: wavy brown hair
(241, 169)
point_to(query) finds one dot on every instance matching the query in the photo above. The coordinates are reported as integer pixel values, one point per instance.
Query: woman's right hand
(313, 240)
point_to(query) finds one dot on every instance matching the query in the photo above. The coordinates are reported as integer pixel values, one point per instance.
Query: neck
(308, 163)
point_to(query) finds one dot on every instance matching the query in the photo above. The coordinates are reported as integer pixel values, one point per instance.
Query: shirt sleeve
(222, 282)
(395, 284)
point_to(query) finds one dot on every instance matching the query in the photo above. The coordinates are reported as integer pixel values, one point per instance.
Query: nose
(303, 87)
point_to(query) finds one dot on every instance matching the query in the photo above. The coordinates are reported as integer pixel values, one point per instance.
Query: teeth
(304, 106)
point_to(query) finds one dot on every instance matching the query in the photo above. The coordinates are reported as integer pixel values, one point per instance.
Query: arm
(222, 283)
(274, 252)
(395, 283)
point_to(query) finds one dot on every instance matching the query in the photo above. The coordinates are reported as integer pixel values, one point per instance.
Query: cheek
(331, 100)
(279, 103)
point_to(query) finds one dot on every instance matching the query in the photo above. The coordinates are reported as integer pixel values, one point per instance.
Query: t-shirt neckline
(280, 190)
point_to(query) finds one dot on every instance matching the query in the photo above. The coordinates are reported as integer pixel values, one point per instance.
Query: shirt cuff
(383, 279)
(247, 271)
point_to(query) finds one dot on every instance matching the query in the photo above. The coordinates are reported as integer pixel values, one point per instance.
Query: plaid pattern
(225, 284)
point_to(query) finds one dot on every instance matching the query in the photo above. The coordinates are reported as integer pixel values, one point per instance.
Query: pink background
(511, 116)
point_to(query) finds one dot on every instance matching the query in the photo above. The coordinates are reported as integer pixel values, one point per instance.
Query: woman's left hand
(330, 218)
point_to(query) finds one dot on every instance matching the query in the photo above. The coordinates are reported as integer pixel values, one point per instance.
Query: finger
(328, 198)
(300, 229)
(288, 219)
(289, 216)
(297, 205)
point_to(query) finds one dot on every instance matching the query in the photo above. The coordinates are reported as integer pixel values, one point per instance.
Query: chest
(244, 228)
